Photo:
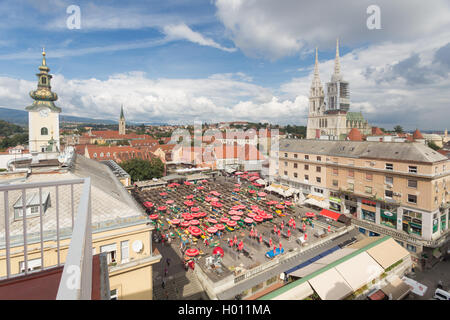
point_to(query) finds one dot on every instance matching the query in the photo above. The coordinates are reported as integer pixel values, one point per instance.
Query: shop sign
(337, 200)
(369, 202)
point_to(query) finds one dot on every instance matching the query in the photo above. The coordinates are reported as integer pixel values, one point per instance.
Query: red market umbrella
(215, 199)
(153, 216)
(216, 204)
(212, 230)
(251, 191)
(220, 226)
(238, 173)
(195, 222)
(195, 231)
(195, 209)
(248, 220)
(262, 194)
(211, 220)
(187, 216)
(224, 219)
(208, 199)
(269, 216)
(231, 223)
(189, 203)
(202, 214)
(306, 236)
(200, 188)
(272, 202)
(310, 214)
(190, 196)
(192, 252)
(185, 224)
(258, 219)
(148, 204)
(204, 181)
(162, 208)
(235, 218)
(218, 250)
(236, 189)
(175, 221)
(254, 207)
(241, 206)
(169, 201)
(288, 203)
(329, 228)
(279, 206)
(237, 185)
(163, 194)
(235, 208)
(196, 215)
(304, 227)
(251, 214)
(187, 183)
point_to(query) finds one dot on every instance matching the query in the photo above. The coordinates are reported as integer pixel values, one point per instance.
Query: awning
(387, 253)
(330, 214)
(330, 285)
(299, 292)
(314, 202)
(313, 196)
(261, 181)
(359, 270)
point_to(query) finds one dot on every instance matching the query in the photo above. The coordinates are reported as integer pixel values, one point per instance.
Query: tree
(398, 129)
(140, 169)
(433, 145)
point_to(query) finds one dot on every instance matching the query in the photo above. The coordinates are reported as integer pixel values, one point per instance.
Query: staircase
(181, 286)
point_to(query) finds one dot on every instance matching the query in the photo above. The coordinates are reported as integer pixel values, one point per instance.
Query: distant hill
(20, 117)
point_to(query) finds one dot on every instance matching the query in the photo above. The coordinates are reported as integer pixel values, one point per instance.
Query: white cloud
(183, 32)
(274, 29)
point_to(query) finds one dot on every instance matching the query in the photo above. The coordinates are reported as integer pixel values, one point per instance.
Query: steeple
(122, 125)
(316, 95)
(337, 64)
(43, 96)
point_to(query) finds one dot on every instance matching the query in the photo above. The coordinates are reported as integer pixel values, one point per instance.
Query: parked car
(440, 294)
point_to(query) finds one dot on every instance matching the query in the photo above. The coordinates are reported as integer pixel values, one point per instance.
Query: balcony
(42, 273)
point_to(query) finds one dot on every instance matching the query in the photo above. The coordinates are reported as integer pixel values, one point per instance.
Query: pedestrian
(168, 262)
(166, 271)
(163, 283)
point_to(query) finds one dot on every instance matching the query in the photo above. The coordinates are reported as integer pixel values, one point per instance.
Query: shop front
(368, 210)
(443, 222)
(388, 218)
(335, 204)
(412, 222)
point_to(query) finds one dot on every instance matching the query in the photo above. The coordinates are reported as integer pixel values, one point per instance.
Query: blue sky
(215, 60)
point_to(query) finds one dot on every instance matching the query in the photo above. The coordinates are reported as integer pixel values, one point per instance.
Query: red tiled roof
(117, 153)
(377, 131)
(355, 135)
(144, 143)
(417, 135)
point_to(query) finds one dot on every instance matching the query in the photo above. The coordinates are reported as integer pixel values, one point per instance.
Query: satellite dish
(137, 246)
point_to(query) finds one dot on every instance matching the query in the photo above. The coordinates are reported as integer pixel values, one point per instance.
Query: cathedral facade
(329, 116)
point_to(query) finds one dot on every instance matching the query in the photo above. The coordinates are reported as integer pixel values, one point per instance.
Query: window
(295, 156)
(111, 251)
(335, 172)
(101, 155)
(306, 178)
(318, 179)
(410, 247)
(389, 180)
(351, 173)
(114, 294)
(388, 194)
(412, 169)
(124, 251)
(295, 174)
(295, 166)
(44, 80)
(95, 155)
(369, 176)
(285, 173)
(350, 187)
(306, 157)
(318, 169)
(285, 164)
(318, 190)
(368, 190)
(412, 184)
(335, 183)
(412, 198)
(44, 131)
(285, 155)
(306, 166)
(319, 158)
(108, 154)
(34, 210)
(389, 166)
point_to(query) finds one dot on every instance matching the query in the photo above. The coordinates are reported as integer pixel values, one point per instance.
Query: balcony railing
(76, 279)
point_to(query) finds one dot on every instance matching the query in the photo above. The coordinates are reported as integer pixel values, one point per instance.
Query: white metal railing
(80, 231)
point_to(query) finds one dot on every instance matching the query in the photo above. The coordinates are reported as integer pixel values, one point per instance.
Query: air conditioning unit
(397, 194)
(389, 186)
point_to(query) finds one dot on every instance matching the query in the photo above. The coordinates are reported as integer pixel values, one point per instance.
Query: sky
(176, 61)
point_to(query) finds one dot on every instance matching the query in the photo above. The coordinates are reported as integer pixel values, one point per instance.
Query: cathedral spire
(121, 113)
(316, 79)
(337, 63)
